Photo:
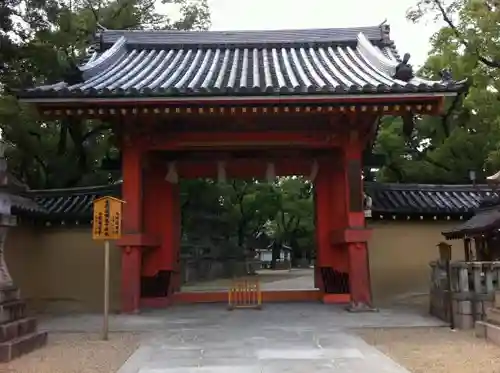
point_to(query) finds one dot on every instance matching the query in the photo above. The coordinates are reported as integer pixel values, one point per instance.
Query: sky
(289, 14)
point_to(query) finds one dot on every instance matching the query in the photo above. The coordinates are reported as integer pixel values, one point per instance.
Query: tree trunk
(275, 255)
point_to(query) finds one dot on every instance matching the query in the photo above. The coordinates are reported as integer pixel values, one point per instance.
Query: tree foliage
(235, 212)
(40, 41)
(466, 137)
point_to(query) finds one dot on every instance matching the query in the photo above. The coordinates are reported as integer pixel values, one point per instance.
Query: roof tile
(426, 199)
(284, 62)
(395, 199)
(482, 221)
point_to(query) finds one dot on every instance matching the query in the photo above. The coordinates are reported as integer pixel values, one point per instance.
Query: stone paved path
(283, 338)
(255, 349)
(304, 315)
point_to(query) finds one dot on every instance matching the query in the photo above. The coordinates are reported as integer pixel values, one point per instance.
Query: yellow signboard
(107, 221)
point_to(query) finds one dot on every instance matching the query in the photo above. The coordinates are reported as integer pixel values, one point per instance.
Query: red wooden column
(156, 217)
(162, 220)
(332, 260)
(322, 223)
(354, 235)
(173, 237)
(132, 228)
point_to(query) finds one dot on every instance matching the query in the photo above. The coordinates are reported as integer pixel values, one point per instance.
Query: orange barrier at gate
(245, 293)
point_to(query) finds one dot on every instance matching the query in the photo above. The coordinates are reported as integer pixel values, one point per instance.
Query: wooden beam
(241, 168)
(144, 108)
(240, 140)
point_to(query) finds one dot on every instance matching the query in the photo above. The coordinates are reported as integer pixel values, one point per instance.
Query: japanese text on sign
(106, 224)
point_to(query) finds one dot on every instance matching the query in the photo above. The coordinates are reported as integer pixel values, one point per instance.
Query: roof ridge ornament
(404, 71)
(385, 30)
(73, 75)
(446, 76)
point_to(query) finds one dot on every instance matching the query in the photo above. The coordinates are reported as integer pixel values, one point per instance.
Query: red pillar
(322, 224)
(162, 220)
(356, 235)
(332, 260)
(359, 277)
(174, 241)
(132, 227)
(156, 218)
(167, 214)
(131, 279)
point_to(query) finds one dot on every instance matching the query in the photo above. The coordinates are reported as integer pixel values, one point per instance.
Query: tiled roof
(74, 203)
(484, 220)
(253, 38)
(15, 192)
(235, 63)
(21, 205)
(426, 199)
(394, 199)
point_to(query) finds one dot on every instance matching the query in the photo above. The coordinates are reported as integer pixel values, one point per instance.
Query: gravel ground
(435, 350)
(77, 353)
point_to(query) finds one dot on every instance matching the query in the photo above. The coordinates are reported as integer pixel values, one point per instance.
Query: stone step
(488, 331)
(493, 315)
(12, 310)
(21, 345)
(9, 293)
(17, 328)
(497, 299)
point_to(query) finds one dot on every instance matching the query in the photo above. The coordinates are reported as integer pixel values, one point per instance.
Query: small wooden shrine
(481, 233)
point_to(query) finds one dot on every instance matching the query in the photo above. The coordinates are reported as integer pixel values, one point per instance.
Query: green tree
(54, 37)
(293, 223)
(466, 136)
(249, 204)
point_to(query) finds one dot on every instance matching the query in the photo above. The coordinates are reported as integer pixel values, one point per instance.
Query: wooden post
(467, 249)
(445, 257)
(106, 226)
(358, 235)
(105, 324)
(132, 193)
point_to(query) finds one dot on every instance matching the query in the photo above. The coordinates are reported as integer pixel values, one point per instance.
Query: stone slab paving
(298, 315)
(254, 348)
(303, 337)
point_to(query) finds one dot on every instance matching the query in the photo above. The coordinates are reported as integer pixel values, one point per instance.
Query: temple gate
(243, 104)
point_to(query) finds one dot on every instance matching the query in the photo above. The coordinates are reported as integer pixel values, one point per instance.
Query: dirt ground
(297, 279)
(435, 350)
(77, 353)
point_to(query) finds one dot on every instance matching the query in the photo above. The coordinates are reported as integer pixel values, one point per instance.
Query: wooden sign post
(107, 225)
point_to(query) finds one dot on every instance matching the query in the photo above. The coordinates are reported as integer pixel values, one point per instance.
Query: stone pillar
(18, 333)
(5, 278)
